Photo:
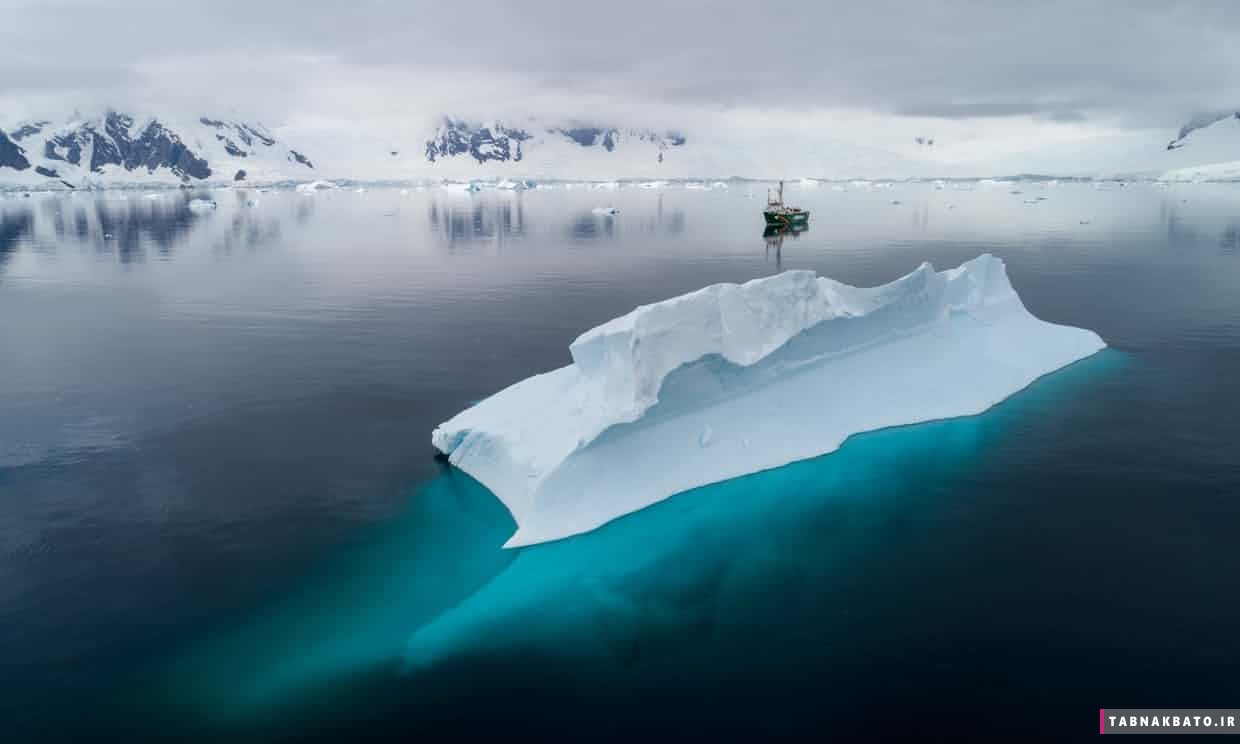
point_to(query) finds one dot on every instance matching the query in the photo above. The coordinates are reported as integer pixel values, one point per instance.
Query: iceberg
(733, 379)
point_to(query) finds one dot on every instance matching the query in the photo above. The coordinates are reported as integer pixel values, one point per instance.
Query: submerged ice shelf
(732, 379)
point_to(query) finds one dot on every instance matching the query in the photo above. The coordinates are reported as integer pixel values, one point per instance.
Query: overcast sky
(993, 66)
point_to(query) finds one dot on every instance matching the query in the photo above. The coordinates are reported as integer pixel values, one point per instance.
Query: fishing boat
(779, 214)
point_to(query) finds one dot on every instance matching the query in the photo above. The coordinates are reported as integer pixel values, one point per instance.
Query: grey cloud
(1140, 60)
(971, 110)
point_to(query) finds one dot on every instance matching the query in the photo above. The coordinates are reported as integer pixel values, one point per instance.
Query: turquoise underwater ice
(399, 614)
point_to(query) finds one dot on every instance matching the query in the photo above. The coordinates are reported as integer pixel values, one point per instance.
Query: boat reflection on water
(774, 236)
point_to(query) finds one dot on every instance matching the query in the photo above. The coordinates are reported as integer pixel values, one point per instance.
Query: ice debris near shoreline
(733, 379)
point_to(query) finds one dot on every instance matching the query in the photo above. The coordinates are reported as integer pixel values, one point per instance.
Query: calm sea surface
(220, 515)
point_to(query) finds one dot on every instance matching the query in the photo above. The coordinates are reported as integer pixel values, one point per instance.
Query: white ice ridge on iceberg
(733, 379)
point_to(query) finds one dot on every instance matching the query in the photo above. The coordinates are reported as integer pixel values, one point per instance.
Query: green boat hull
(782, 218)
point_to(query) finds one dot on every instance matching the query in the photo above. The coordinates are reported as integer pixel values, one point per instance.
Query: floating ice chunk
(605, 210)
(201, 205)
(313, 186)
(732, 379)
(468, 188)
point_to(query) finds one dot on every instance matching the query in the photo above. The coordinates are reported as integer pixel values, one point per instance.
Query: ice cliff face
(733, 379)
(117, 148)
(497, 142)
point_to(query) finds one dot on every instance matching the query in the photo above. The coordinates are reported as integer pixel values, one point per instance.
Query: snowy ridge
(119, 148)
(1207, 149)
(496, 142)
(732, 379)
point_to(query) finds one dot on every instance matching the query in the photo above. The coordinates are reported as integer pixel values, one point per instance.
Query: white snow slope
(227, 145)
(734, 379)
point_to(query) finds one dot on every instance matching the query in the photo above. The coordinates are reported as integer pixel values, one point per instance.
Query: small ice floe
(1042, 198)
(201, 205)
(404, 192)
(152, 196)
(465, 188)
(313, 186)
(1031, 201)
(360, 190)
(895, 201)
(652, 184)
(940, 185)
(696, 186)
(507, 185)
(809, 183)
(605, 211)
(719, 185)
(606, 186)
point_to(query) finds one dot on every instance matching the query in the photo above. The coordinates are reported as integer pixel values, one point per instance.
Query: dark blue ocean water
(220, 515)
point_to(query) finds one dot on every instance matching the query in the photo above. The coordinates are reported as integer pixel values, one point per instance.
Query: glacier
(738, 378)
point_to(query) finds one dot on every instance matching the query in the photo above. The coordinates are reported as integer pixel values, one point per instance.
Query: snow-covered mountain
(561, 149)
(500, 143)
(1207, 147)
(120, 148)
